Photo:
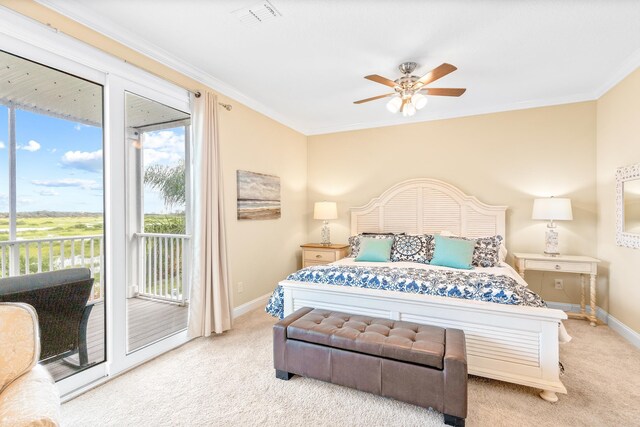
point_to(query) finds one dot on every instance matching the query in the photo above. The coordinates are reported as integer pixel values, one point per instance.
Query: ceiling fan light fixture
(408, 110)
(394, 104)
(408, 98)
(419, 100)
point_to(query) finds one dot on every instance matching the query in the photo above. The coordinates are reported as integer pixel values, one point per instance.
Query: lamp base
(551, 241)
(325, 234)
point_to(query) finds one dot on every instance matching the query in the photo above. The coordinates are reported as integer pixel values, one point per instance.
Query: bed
(513, 343)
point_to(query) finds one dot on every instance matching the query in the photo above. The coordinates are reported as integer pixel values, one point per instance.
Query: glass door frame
(124, 217)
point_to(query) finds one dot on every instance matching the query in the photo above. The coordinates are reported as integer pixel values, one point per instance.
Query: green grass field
(47, 227)
(66, 226)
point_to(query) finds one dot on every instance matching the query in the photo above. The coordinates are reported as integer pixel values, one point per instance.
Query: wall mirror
(628, 206)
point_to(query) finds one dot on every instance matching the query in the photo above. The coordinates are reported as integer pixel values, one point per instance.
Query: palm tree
(169, 180)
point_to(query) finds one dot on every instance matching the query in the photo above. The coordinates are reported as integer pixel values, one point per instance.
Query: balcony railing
(163, 268)
(20, 257)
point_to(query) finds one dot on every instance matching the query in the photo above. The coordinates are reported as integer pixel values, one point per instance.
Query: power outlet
(559, 284)
(240, 287)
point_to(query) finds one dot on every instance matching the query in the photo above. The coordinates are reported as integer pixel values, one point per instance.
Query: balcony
(149, 321)
(158, 297)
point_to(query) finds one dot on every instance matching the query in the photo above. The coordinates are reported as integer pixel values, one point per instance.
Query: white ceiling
(306, 68)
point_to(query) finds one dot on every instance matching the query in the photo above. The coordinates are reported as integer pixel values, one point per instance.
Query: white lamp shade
(325, 210)
(552, 208)
(394, 104)
(419, 100)
(408, 110)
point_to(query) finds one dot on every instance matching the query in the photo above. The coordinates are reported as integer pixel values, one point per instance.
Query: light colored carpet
(229, 380)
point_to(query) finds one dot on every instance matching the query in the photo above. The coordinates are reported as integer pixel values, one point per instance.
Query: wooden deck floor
(149, 321)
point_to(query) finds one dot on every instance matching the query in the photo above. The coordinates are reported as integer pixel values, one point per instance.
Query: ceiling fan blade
(443, 91)
(433, 75)
(373, 98)
(382, 80)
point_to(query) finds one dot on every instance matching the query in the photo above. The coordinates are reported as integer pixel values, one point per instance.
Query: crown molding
(80, 14)
(429, 117)
(627, 67)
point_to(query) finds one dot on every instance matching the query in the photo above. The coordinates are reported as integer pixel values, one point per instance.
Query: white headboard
(428, 206)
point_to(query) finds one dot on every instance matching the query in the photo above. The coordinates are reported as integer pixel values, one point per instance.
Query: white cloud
(48, 192)
(25, 201)
(85, 160)
(31, 146)
(52, 150)
(163, 146)
(2, 145)
(85, 184)
(154, 156)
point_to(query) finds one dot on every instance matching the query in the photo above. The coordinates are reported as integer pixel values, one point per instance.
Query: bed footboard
(508, 343)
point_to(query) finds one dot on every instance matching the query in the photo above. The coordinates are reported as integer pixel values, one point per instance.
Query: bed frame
(508, 343)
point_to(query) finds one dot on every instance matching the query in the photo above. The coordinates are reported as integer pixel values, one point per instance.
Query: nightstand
(319, 254)
(581, 265)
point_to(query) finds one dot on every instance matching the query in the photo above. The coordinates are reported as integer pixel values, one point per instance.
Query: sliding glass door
(149, 192)
(52, 209)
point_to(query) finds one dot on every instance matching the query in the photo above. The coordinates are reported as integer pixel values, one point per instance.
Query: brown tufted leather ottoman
(419, 364)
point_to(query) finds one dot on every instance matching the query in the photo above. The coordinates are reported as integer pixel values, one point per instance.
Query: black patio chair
(60, 299)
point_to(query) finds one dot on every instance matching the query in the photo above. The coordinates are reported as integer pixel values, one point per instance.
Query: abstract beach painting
(258, 195)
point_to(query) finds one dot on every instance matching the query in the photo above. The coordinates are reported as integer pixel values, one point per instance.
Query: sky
(60, 163)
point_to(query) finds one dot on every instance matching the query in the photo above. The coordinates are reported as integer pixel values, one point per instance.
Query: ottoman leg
(451, 420)
(283, 375)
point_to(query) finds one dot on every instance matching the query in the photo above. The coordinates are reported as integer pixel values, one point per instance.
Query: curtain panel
(209, 305)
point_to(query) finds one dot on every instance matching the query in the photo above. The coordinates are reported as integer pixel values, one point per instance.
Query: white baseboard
(575, 308)
(625, 332)
(251, 305)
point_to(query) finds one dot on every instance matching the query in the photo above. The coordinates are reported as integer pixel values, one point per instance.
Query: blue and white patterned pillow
(354, 241)
(413, 248)
(487, 251)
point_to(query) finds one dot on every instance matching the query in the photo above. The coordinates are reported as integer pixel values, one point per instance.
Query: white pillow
(503, 252)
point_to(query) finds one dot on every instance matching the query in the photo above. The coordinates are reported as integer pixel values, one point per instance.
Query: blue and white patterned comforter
(472, 285)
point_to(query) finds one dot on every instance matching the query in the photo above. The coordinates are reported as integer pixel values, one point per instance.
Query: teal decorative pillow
(454, 253)
(354, 241)
(374, 250)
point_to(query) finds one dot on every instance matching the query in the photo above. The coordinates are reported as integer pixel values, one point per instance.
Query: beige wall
(260, 252)
(504, 158)
(618, 144)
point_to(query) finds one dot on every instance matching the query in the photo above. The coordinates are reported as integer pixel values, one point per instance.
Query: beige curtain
(209, 304)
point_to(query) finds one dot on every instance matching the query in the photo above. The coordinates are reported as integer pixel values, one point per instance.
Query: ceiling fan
(410, 90)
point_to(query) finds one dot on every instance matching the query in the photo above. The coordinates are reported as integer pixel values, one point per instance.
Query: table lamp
(552, 209)
(325, 211)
